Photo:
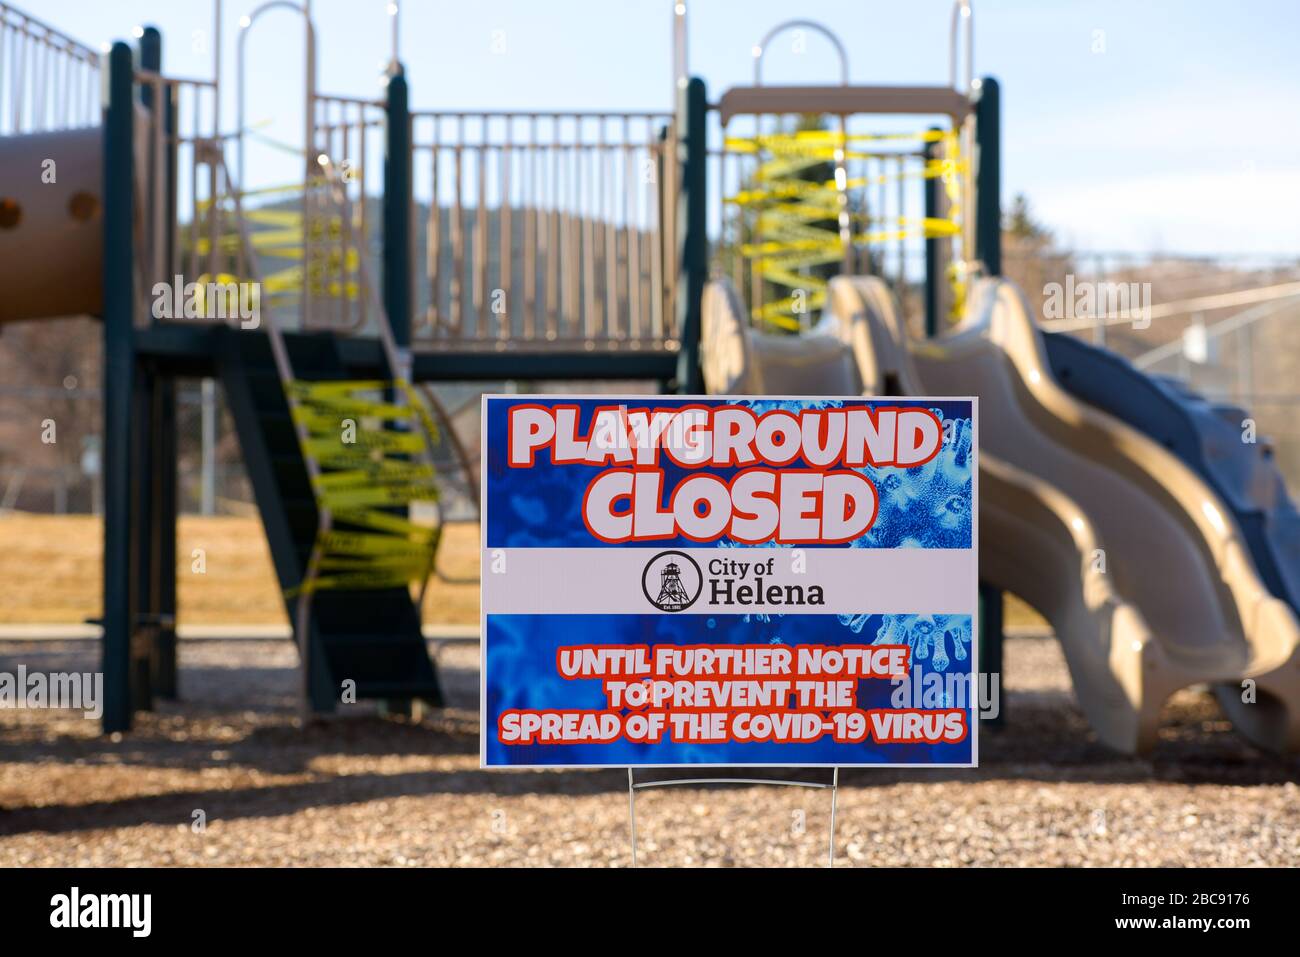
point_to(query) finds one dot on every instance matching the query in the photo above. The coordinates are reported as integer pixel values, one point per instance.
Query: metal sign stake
(833, 787)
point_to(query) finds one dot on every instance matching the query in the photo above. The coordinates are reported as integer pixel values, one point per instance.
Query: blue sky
(1155, 125)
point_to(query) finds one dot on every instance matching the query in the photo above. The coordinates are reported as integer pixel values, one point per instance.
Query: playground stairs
(370, 636)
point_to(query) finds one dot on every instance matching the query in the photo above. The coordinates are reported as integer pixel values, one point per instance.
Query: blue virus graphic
(547, 513)
(771, 405)
(530, 511)
(928, 506)
(928, 636)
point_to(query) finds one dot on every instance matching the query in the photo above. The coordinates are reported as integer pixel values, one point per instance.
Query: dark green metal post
(119, 368)
(988, 177)
(144, 578)
(988, 250)
(398, 248)
(157, 391)
(143, 606)
(692, 226)
(932, 278)
(167, 498)
(164, 520)
(150, 56)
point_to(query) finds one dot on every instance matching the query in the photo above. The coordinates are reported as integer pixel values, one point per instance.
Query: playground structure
(547, 255)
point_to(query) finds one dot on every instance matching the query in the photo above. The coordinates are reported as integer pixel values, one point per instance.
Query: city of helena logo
(672, 581)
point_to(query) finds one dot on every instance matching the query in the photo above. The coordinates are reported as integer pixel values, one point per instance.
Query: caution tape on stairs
(369, 471)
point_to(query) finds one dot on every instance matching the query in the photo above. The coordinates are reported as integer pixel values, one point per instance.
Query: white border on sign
(973, 704)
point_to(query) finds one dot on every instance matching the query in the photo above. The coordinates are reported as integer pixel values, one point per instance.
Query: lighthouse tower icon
(672, 594)
(680, 581)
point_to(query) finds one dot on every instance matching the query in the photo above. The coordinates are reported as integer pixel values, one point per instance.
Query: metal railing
(348, 133)
(184, 229)
(545, 230)
(297, 245)
(48, 81)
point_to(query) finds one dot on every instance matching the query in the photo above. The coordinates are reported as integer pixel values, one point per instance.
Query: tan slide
(1183, 601)
(739, 361)
(1125, 550)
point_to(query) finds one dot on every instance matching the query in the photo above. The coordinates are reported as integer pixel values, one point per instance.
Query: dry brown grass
(50, 566)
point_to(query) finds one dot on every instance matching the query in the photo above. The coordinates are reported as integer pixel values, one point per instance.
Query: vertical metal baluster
(341, 241)
(506, 227)
(593, 202)
(458, 233)
(38, 83)
(4, 62)
(529, 199)
(572, 225)
(48, 83)
(65, 66)
(161, 105)
(553, 237)
(582, 290)
(730, 177)
(193, 262)
(566, 251)
(755, 266)
(882, 198)
(611, 237)
(903, 233)
(434, 251)
(20, 87)
(631, 227)
(482, 322)
(562, 236)
(656, 199)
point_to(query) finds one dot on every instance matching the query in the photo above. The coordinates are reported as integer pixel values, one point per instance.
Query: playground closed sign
(728, 581)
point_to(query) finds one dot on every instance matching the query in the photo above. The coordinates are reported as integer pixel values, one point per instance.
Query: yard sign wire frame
(833, 787)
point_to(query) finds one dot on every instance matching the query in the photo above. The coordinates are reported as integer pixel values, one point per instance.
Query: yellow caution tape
(361, 478)
(363, 543)
(337, 408)
(333, 452)
(388, 522)
(384, 471)
(332, 270)
(800, 223)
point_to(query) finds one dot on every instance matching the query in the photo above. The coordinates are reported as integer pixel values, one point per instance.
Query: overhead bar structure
(844, 101)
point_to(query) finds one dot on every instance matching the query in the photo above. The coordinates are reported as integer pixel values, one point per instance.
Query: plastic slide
(1171, 547)
(1208, 437)
(1129, 554)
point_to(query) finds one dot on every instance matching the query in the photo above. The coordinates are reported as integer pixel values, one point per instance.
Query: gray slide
(1125, 550)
